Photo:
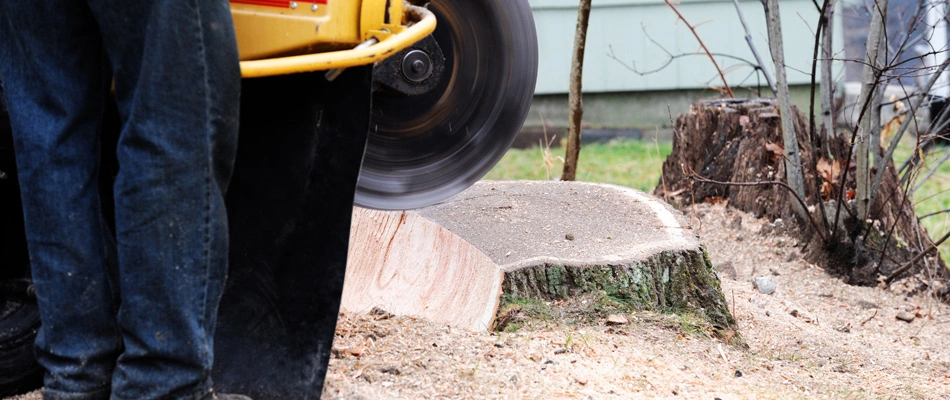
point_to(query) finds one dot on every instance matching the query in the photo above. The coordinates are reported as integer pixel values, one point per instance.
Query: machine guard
(289, 207)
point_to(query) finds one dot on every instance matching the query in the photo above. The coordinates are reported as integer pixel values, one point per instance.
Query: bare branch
(801, 201)
(672, 57)
(935, 213)
(904, 125)
(913, 261)
(893, 228)
(700, 40)
(758, 59)
(932, 171)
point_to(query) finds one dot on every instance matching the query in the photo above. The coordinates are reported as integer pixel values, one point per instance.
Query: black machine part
(424, 148)
(411, 72)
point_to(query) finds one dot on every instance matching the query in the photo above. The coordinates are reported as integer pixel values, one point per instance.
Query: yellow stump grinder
(380, 103)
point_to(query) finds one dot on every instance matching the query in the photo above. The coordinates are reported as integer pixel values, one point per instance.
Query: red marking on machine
(274, 3)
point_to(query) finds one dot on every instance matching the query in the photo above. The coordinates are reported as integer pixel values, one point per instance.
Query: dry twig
(703, 45)
(696, 177)
(909, 264)
(869, 319)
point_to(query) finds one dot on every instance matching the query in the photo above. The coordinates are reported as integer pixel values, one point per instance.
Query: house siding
(618, 27)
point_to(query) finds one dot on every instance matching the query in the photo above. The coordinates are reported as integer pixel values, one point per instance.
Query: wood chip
(905, 316)
(617, 319)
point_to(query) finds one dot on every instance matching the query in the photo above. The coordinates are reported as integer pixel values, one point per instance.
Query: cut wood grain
(408, 265)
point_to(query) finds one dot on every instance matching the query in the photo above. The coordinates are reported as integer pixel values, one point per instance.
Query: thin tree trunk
(874, 144)
(574, 98)
(869, 87)
(827, 80)
(793, 160)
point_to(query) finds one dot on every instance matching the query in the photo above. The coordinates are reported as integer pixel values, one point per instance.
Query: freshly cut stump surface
(453, 262)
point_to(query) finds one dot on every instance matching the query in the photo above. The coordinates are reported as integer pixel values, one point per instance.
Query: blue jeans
(128, 314)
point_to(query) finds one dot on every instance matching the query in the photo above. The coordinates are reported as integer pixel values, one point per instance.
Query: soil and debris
(813, 337)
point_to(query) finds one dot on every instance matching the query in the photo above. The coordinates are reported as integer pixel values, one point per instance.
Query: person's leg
(51, 61)
(177, 83)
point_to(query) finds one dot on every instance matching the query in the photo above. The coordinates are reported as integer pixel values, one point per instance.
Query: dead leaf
(826, 191)
(714, 200)
(776, 151)
(851, 194)
(617, 319)
(829, 171)
(894, 124)
(728, 335)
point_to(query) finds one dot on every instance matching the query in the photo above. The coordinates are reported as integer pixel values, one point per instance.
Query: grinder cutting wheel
(380, 103)
(424, 148)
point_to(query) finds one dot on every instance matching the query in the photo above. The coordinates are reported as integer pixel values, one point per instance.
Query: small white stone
(765, 284)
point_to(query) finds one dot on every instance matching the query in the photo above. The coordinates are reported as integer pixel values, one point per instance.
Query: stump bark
(739, 141)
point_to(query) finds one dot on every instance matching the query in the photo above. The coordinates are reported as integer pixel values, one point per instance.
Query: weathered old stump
(740, 141)
(458, 261)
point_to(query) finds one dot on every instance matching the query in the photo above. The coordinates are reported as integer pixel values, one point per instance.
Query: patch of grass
(516, 312)
(569, 342)
(520, 313)
(572, 345)
(605, 304)
(694, 325)
(683, 322)
(469, 372)
(934, 195)
(631, 163)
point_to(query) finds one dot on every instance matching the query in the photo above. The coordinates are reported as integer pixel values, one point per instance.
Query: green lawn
(934, 196)
(630, 163)
(637, 164)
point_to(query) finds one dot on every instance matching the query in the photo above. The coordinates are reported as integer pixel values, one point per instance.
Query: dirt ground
(815, 337)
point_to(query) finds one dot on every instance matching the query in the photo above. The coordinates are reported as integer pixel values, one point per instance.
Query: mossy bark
(670, 281)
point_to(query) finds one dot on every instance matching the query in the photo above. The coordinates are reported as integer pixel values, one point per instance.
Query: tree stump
(739, 141)
(461, 261)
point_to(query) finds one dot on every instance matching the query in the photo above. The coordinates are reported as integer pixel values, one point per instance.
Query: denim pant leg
(51, 61)
(177, 83)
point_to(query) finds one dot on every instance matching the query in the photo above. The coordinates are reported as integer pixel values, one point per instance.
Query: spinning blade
(426, 148)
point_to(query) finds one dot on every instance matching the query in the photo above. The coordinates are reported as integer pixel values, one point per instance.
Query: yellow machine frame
(277, 37)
